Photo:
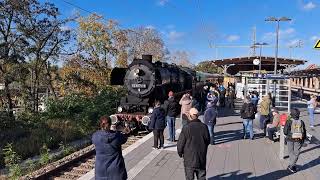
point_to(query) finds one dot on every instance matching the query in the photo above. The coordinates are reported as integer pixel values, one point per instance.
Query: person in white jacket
(312, 104)
(186, 105)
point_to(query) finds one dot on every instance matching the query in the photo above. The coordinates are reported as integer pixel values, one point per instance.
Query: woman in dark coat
(109, 163)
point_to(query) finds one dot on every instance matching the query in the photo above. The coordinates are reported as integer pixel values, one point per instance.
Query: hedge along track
(74, 165)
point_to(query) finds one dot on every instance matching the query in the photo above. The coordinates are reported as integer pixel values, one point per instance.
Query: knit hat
(274, 110)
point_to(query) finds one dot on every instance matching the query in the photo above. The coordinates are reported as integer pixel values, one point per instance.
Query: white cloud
(232, 38)
(283, 34)
(170, 26)
(174, 36)
(163, 2)
(293, 42)
(287, 31)
(150, 27)
(309, 6)
(314, 38)
(65, 28)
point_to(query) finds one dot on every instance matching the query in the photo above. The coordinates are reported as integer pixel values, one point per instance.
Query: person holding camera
(109, 162)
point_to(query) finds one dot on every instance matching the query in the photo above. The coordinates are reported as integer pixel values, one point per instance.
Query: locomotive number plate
(138, 85)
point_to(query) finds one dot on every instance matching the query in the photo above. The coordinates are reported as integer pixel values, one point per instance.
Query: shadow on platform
(272, 175)
(229, 123)
(221, 137)
(226, 112)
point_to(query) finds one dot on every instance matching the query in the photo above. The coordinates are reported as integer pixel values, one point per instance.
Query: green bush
(68, 119)
(12, 160)
(44, 155)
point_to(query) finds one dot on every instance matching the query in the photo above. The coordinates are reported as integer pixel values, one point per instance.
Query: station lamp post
(281, 152)
(277, 37)
(260, 61)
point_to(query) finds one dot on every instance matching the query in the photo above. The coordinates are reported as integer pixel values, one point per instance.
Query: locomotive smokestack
(147, 58)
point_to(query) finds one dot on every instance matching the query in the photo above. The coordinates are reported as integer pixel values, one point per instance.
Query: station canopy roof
(240, 64)
(306, 73)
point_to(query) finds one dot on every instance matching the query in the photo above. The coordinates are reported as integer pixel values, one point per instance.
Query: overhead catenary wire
(78, 7)
(91, 12)
(202, 22)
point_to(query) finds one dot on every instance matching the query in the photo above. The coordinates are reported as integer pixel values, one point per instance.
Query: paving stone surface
(232, 157)
(235, 158)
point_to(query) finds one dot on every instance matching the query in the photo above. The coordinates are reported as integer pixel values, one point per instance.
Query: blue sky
(191, 25)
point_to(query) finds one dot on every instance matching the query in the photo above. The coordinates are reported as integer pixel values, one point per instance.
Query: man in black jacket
(171, 108)
(158, 124)
(247, 113)
(193, 145)
(295, 131)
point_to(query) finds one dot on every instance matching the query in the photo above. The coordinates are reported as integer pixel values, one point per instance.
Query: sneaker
(270, 141)
(292, 169)
(161, 148)
(312, 127)
(154, 148)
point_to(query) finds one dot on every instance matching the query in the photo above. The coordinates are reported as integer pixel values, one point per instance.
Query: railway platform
(231, 158)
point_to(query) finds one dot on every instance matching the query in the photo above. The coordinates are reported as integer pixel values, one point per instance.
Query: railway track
(75, 165)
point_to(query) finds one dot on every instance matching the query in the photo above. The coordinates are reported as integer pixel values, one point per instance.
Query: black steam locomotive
(147, 81)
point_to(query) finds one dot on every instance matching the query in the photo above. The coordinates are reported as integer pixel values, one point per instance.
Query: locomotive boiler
(146, 82)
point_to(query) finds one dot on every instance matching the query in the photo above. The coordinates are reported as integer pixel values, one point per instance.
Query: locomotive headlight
(150, 110)
(136, 72)
(119, 109)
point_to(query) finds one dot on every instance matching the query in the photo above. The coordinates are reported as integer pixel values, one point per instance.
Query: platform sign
(317, 46)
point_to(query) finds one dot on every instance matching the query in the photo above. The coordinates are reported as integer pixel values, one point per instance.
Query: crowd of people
(197, 135)
(269, 122)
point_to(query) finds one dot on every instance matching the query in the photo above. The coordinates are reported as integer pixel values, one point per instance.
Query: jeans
(200, 173)
(294, 148)
(311, 116)
(158, 135)
(247, 125)
(271, 132)
(264, 120)
(211, 133)
(171, 128)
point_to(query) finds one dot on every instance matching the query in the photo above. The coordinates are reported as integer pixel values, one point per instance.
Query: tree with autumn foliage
(146, 41)
(101, 44)
(181, 58)
(47, 38)
(208, 67)
(31, 35)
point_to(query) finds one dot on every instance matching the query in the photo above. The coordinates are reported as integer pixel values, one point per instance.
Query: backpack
(296, 129)
(249, 111)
